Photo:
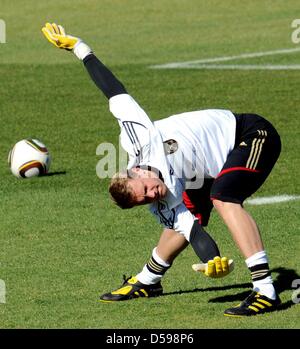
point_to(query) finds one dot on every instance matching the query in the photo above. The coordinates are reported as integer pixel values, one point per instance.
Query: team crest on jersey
(170, 146)
(165, 215)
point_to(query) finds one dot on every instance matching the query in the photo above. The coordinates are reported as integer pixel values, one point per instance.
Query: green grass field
(63, 243)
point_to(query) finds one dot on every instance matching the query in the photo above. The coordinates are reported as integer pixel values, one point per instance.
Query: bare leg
(241, 226)
(170, 245)
(247, 237)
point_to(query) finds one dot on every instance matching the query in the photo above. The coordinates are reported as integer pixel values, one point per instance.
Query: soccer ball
(29, 158)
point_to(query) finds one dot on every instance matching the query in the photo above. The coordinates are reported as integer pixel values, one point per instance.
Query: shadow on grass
(207, 289)
(58, 173)
(282, 283)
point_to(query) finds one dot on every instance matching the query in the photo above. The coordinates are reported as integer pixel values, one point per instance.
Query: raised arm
(103, 77)
(100, 74)
(136, 127)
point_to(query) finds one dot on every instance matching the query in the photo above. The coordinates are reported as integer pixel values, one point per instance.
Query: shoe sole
(260, 313)
(103, 301)
(123, 300)
(236, 316)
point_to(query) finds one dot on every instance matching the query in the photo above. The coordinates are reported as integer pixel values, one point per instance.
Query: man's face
(147, 187)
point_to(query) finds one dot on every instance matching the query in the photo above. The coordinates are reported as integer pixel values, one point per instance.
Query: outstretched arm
(103, 77)
(136, 127)
(100, 74)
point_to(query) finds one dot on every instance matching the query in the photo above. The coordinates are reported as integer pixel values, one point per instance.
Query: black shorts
(256, 150)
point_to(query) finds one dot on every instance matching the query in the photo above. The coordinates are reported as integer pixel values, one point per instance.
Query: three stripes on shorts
(256, 149)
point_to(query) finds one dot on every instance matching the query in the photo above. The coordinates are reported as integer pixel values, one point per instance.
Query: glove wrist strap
(81, 50)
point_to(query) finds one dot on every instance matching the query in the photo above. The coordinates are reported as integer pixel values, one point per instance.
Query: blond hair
(121, 193)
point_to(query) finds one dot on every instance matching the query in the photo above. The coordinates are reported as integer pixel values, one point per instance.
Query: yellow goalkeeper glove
(56, 34)
(216, 268)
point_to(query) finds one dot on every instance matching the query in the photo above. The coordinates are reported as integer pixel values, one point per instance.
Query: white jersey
(185, 148)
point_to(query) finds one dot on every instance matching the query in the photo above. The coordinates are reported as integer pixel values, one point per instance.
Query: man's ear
(135, 170)
(140, 172)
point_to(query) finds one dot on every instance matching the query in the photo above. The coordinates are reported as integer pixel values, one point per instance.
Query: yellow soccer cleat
(216, 268)
(254, 304)
(130, 289)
